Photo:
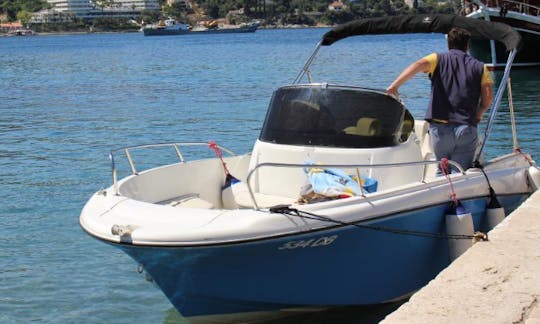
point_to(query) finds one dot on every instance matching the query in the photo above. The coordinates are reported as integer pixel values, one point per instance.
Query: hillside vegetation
(317, 12)
(274, 12)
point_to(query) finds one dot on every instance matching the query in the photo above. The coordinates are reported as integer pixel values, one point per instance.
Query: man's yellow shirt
(432, 59)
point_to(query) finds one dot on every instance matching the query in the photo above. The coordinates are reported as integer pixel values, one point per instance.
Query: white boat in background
(166, 27)
(522, 15)
(337, 204)
(172, 27)
(21, 32)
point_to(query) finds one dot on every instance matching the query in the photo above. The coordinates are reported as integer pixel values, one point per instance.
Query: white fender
(459, 222)
(229, 194)
(534, 177)
(493, 217)
(494, 212)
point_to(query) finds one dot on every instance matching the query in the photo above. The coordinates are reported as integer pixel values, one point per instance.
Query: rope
(512, 114)
(286, 210)
(493, 202)
(525, 156)
(219, 154)
(513, 121)
(445, 170)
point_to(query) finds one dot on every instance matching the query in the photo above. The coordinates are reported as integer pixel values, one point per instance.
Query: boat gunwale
(406, 189)
(290, 234)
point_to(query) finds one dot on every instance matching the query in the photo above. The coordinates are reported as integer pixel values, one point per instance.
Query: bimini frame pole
(497, 101)
(305, 69)
(512, 115)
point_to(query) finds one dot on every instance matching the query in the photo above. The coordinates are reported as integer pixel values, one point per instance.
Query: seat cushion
(237, 196)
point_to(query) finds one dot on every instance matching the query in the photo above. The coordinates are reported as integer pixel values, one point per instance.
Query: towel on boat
(332, 182)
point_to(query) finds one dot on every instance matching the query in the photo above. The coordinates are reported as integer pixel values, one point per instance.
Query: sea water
(67, 100)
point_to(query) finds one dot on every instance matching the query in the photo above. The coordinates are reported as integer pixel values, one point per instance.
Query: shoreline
(130, 31)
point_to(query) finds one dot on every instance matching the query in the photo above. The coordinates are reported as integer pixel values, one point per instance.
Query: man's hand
(392, 91)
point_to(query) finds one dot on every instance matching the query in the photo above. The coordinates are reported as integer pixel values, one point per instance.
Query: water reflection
(524, 88)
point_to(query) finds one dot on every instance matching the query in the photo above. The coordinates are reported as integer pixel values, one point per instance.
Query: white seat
(237, 196)
(191, 200)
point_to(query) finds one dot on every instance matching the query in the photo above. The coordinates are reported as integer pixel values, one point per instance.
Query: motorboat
(522, 15)
(172, 27)
(166, 27)
(338, 203)
(21, 32)
(214, 27)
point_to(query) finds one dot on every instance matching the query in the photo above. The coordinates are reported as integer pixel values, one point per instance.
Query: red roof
(11, 25)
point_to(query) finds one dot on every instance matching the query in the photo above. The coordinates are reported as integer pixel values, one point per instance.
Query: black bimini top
(426, 23)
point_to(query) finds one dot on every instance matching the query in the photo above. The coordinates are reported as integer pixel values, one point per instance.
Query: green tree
(10, 8)
(176, 10)
(23, 16)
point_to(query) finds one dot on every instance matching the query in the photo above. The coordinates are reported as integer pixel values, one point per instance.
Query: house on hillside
(7, 27)
(411, 3)
(183, 4)
(337, 6)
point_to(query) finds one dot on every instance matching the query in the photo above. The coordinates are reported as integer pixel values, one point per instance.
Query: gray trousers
(454, 142)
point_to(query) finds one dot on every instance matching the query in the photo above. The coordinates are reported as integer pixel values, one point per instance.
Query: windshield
(324, 115)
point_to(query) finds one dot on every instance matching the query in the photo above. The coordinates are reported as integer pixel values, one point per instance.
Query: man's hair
(458, 38)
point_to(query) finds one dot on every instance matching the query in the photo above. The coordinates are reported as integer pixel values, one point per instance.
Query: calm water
(65, 101)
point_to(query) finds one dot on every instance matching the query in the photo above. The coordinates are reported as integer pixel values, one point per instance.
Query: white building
(103, 8)
(51, 16)
(410, 3)
(71, 6)
(185, 4)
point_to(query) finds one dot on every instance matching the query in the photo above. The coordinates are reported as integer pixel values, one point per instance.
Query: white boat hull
(215, 261)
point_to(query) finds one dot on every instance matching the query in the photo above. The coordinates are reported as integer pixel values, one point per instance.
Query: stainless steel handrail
(344, 166)
(176, 145)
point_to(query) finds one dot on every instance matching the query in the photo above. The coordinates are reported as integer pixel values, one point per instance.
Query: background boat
(524, 16)
(171, 27)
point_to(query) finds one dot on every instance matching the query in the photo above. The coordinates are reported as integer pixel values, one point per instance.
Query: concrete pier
(497, 281)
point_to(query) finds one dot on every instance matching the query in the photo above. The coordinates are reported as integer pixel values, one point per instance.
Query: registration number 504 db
(315, 242)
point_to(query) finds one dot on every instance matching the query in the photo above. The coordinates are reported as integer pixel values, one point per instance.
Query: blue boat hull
(171, 32)
(342, 265)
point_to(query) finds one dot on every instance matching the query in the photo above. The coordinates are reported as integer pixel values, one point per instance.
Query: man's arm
(485, 101)
(486, 94)
(422, 65)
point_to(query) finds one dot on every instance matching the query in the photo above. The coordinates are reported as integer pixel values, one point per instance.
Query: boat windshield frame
(335, 116)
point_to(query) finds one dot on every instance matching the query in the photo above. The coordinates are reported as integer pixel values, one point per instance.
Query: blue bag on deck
(332, 182)
(335, 182)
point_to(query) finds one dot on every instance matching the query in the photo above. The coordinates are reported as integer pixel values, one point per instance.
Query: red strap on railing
(525, 156)
(445, 168)
(219, 154)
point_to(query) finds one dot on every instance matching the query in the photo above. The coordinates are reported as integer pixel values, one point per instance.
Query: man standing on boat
(461, 91)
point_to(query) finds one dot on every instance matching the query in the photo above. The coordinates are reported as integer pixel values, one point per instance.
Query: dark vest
(455, 88)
